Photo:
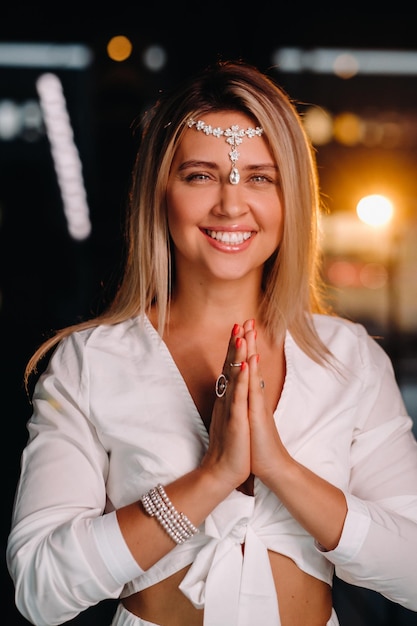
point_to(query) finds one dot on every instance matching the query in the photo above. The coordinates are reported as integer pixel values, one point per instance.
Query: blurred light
(372, 133)
(65, 155)
(154, 58)
(347, 129)
(345, 63)
(392, 135)
(386, 129)
(346, 235)
(375, 210)
(357, 274)
(70, 56)
(10, 120)
(119, 48)
(32, 121)
(342, 273)
(318, 125)
(20, 120)
(373, 275)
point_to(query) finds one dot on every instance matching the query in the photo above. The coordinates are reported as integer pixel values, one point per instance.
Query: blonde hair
(291, 281)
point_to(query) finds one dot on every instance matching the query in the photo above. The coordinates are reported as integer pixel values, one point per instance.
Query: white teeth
(228, 237)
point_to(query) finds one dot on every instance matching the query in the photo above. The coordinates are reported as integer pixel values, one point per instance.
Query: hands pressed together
(244, 441)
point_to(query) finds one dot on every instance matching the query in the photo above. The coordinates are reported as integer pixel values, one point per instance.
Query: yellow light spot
(375, 210)
(318, 125)
(119, 48)
(347, 129)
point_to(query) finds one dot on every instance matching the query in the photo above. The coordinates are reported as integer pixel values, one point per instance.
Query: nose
(232, 200)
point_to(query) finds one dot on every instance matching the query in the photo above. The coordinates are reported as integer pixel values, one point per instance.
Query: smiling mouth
(229, 237)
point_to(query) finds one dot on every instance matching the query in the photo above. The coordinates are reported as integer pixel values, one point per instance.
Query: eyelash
(192, 177)
(256, 178)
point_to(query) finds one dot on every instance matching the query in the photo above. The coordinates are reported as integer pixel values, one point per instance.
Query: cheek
(185, 208)
(174, 211)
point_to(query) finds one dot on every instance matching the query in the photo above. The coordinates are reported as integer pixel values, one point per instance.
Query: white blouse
(112, 417)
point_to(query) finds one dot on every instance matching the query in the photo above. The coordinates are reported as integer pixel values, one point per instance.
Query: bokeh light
(119, 48)
(319, 125)
(155, 58)
(346, 65)
(375, 210)
(347, 129)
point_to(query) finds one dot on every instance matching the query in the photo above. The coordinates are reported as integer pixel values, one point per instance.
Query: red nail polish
(235, 330)
(243, 366)
(238, 342)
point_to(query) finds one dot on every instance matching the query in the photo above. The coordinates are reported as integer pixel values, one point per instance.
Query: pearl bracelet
(177, 525)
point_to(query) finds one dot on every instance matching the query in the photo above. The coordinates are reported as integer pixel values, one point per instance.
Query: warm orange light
(319, 126)
(119, 48)
(347, 129)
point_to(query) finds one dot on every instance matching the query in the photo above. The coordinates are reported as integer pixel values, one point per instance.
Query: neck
(221, 304)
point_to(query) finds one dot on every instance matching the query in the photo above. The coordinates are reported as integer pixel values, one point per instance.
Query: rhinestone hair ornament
(234, 137)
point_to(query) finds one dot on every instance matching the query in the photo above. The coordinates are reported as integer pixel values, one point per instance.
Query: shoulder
(329, 326)
(349, 341)
(104, 341)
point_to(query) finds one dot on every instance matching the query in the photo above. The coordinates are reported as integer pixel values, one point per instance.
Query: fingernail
(243, 365)
(257, 358)
(235, 329)
(238, 342)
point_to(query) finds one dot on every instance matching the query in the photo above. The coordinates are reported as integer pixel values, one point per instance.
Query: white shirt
(112, 417)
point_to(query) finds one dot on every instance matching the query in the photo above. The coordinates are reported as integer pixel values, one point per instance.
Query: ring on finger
(239, 364)
(221, 385)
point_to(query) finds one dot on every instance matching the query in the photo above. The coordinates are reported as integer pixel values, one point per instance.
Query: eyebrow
(195, 163)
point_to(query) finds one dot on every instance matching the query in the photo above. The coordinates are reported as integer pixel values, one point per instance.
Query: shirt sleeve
(64, 553)
(378, 546)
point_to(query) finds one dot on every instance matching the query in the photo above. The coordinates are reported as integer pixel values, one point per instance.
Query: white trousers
(123, 617)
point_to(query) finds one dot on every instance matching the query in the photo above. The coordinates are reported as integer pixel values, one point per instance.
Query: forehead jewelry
(234, 137)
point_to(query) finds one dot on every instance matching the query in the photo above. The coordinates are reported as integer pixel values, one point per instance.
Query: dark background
(49, 280)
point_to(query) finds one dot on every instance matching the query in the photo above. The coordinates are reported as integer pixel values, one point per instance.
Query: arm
(378, 546)
(369, 532)
(52, 553)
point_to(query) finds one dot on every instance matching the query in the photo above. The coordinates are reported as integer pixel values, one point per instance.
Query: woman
(215, 445)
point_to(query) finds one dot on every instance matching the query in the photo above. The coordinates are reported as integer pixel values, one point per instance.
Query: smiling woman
(216, 445)
(237, 212)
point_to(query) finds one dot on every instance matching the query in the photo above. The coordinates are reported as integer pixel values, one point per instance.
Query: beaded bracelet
(177, 525)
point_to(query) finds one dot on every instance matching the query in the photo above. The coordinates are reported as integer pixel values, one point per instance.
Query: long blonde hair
(291, 281)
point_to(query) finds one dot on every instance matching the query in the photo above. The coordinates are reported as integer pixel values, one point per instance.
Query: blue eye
(261, 178)
(196, 176)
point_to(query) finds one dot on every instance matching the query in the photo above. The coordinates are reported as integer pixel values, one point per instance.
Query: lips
(230, 238)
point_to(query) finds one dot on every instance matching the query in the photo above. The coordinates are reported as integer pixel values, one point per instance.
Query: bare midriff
(303, 600)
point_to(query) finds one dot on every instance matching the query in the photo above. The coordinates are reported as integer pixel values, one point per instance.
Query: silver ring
(236, 364)
(221, 386)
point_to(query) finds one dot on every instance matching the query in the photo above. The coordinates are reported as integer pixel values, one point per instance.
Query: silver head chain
(234, 137)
